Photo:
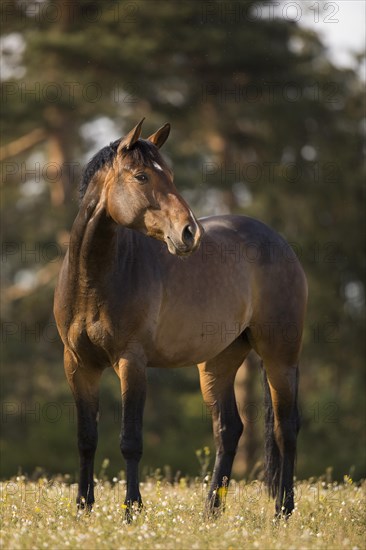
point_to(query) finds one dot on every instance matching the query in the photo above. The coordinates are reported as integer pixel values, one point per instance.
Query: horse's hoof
(132, 509)
(83, 505)
(283, 514)
(213, 510)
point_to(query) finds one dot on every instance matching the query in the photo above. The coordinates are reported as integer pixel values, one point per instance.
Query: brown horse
(130, 301)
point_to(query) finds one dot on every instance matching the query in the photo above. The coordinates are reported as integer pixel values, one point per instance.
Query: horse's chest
(88, 337)
(102, 336)
(100, 333)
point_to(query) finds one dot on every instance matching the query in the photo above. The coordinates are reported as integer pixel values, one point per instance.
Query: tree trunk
(249, 444)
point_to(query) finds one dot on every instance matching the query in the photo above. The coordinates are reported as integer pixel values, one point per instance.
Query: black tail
(272, 458)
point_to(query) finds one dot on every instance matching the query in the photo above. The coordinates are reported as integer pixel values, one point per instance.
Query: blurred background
(268, 120)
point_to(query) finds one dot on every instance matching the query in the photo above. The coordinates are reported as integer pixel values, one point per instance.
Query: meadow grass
(42, 514)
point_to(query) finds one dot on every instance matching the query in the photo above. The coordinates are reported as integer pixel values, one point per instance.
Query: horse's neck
(93, 243)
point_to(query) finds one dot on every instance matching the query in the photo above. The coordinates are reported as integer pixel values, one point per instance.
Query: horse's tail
(272, 457)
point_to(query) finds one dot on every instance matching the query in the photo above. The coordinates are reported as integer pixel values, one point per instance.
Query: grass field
(42, 514)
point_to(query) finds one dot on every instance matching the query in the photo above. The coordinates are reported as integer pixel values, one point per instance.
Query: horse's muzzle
(187, 242)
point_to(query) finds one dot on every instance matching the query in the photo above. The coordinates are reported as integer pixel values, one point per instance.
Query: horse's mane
(143, 152)
(102, 158)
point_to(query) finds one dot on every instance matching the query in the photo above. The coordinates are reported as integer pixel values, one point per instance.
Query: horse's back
(252, 244)
(258, 242)
(275, 269)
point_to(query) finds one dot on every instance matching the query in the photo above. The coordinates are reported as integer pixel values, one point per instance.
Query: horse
(144, 283)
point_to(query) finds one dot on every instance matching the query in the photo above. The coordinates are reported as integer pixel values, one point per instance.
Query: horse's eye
(142, 178)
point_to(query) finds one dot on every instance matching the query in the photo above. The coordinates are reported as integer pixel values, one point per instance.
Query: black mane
(143, 152)
(103, 157)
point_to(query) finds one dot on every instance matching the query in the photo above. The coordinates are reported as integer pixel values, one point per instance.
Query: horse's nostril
(188, 234)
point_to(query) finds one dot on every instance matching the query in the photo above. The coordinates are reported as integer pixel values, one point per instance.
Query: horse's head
(140, 193)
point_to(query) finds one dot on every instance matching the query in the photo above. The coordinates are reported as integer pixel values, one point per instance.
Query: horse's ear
(130, 139)
(160, 136)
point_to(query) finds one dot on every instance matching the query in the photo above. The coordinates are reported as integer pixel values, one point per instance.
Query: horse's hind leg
(217, 384)
(84, 383)
(282, 426)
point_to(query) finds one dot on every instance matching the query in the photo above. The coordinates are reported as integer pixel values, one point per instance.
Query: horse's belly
(197, 349)
(191, 333)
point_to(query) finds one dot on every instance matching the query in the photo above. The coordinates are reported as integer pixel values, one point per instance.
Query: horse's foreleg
(217, 385)
(281, 435)
(84, 383)
(133, 388)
